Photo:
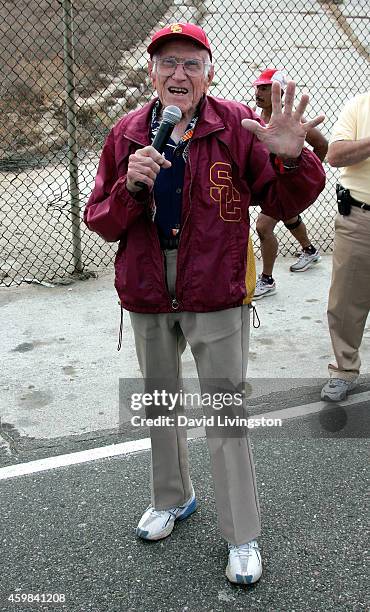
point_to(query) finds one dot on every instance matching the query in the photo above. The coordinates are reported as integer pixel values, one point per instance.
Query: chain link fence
(71, 69)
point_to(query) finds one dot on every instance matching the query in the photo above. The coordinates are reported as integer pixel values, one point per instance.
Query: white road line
(294, 411)
(49, 463)
(297, 411)
(134, 446)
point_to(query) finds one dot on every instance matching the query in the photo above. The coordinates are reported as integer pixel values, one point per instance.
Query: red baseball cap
(189, 31)
(268, 76)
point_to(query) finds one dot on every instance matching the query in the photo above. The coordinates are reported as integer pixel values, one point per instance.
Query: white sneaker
(305, 261)
(336, 389)
(245, 563)
(158, 524)
(263, 288)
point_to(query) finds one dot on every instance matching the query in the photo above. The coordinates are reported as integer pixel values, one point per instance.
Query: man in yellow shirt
(349, 296)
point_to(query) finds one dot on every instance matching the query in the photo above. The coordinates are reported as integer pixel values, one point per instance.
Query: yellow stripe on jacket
(250, 276)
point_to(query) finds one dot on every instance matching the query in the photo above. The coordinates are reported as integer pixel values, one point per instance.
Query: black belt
(170, 243)
(358, 204)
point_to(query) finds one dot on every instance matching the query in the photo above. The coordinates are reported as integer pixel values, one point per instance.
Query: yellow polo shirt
(353, 124)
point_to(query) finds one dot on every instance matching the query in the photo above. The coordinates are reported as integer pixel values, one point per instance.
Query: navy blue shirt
(168, 196)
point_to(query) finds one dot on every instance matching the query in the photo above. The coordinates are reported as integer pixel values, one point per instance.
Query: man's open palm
(285, 133)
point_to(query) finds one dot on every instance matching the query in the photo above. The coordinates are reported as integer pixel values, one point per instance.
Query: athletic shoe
(263, 288)
(158, 524)
(305, 261)
(245, 563)
(336, 389)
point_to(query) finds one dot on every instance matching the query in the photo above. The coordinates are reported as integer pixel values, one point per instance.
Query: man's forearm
(320, 151)
(348, 152)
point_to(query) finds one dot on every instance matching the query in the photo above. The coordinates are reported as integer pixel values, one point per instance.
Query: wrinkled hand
(286, 131)
(144, 166)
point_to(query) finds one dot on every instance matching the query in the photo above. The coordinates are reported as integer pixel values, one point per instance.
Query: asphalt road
(70, 530)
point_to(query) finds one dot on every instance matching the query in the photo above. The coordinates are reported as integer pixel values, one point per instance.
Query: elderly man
(266, 284)
(349, 296)
(182, 261)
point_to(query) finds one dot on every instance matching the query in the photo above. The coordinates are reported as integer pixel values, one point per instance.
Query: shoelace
(244, 550)
(160, 512)
(338, 382)
(303, 256)
(172, 511)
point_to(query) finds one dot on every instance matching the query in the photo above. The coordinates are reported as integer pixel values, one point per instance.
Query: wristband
(284, 165)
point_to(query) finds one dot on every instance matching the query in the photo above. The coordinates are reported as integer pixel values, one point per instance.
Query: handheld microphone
(171, 116)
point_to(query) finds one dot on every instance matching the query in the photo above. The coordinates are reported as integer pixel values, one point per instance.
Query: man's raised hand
(285, 133)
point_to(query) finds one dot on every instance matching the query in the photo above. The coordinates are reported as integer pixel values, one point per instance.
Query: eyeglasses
(166, 66)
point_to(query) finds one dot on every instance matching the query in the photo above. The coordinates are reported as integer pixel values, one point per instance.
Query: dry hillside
(31, 60)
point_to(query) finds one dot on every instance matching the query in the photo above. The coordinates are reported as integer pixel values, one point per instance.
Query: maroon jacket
(227, 168)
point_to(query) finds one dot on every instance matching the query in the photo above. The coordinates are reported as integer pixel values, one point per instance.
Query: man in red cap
(265, 225)
(182, 264)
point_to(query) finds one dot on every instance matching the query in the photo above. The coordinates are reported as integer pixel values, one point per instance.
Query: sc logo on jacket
(224, 192)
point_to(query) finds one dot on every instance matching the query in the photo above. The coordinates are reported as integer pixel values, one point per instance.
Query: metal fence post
(72, 132)
(81, 64)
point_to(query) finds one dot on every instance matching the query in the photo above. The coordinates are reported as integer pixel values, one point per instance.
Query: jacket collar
(209, 120)
(138, 128)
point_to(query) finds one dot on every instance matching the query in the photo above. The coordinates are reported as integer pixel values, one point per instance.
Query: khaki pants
(219, 342)
(349, 296)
